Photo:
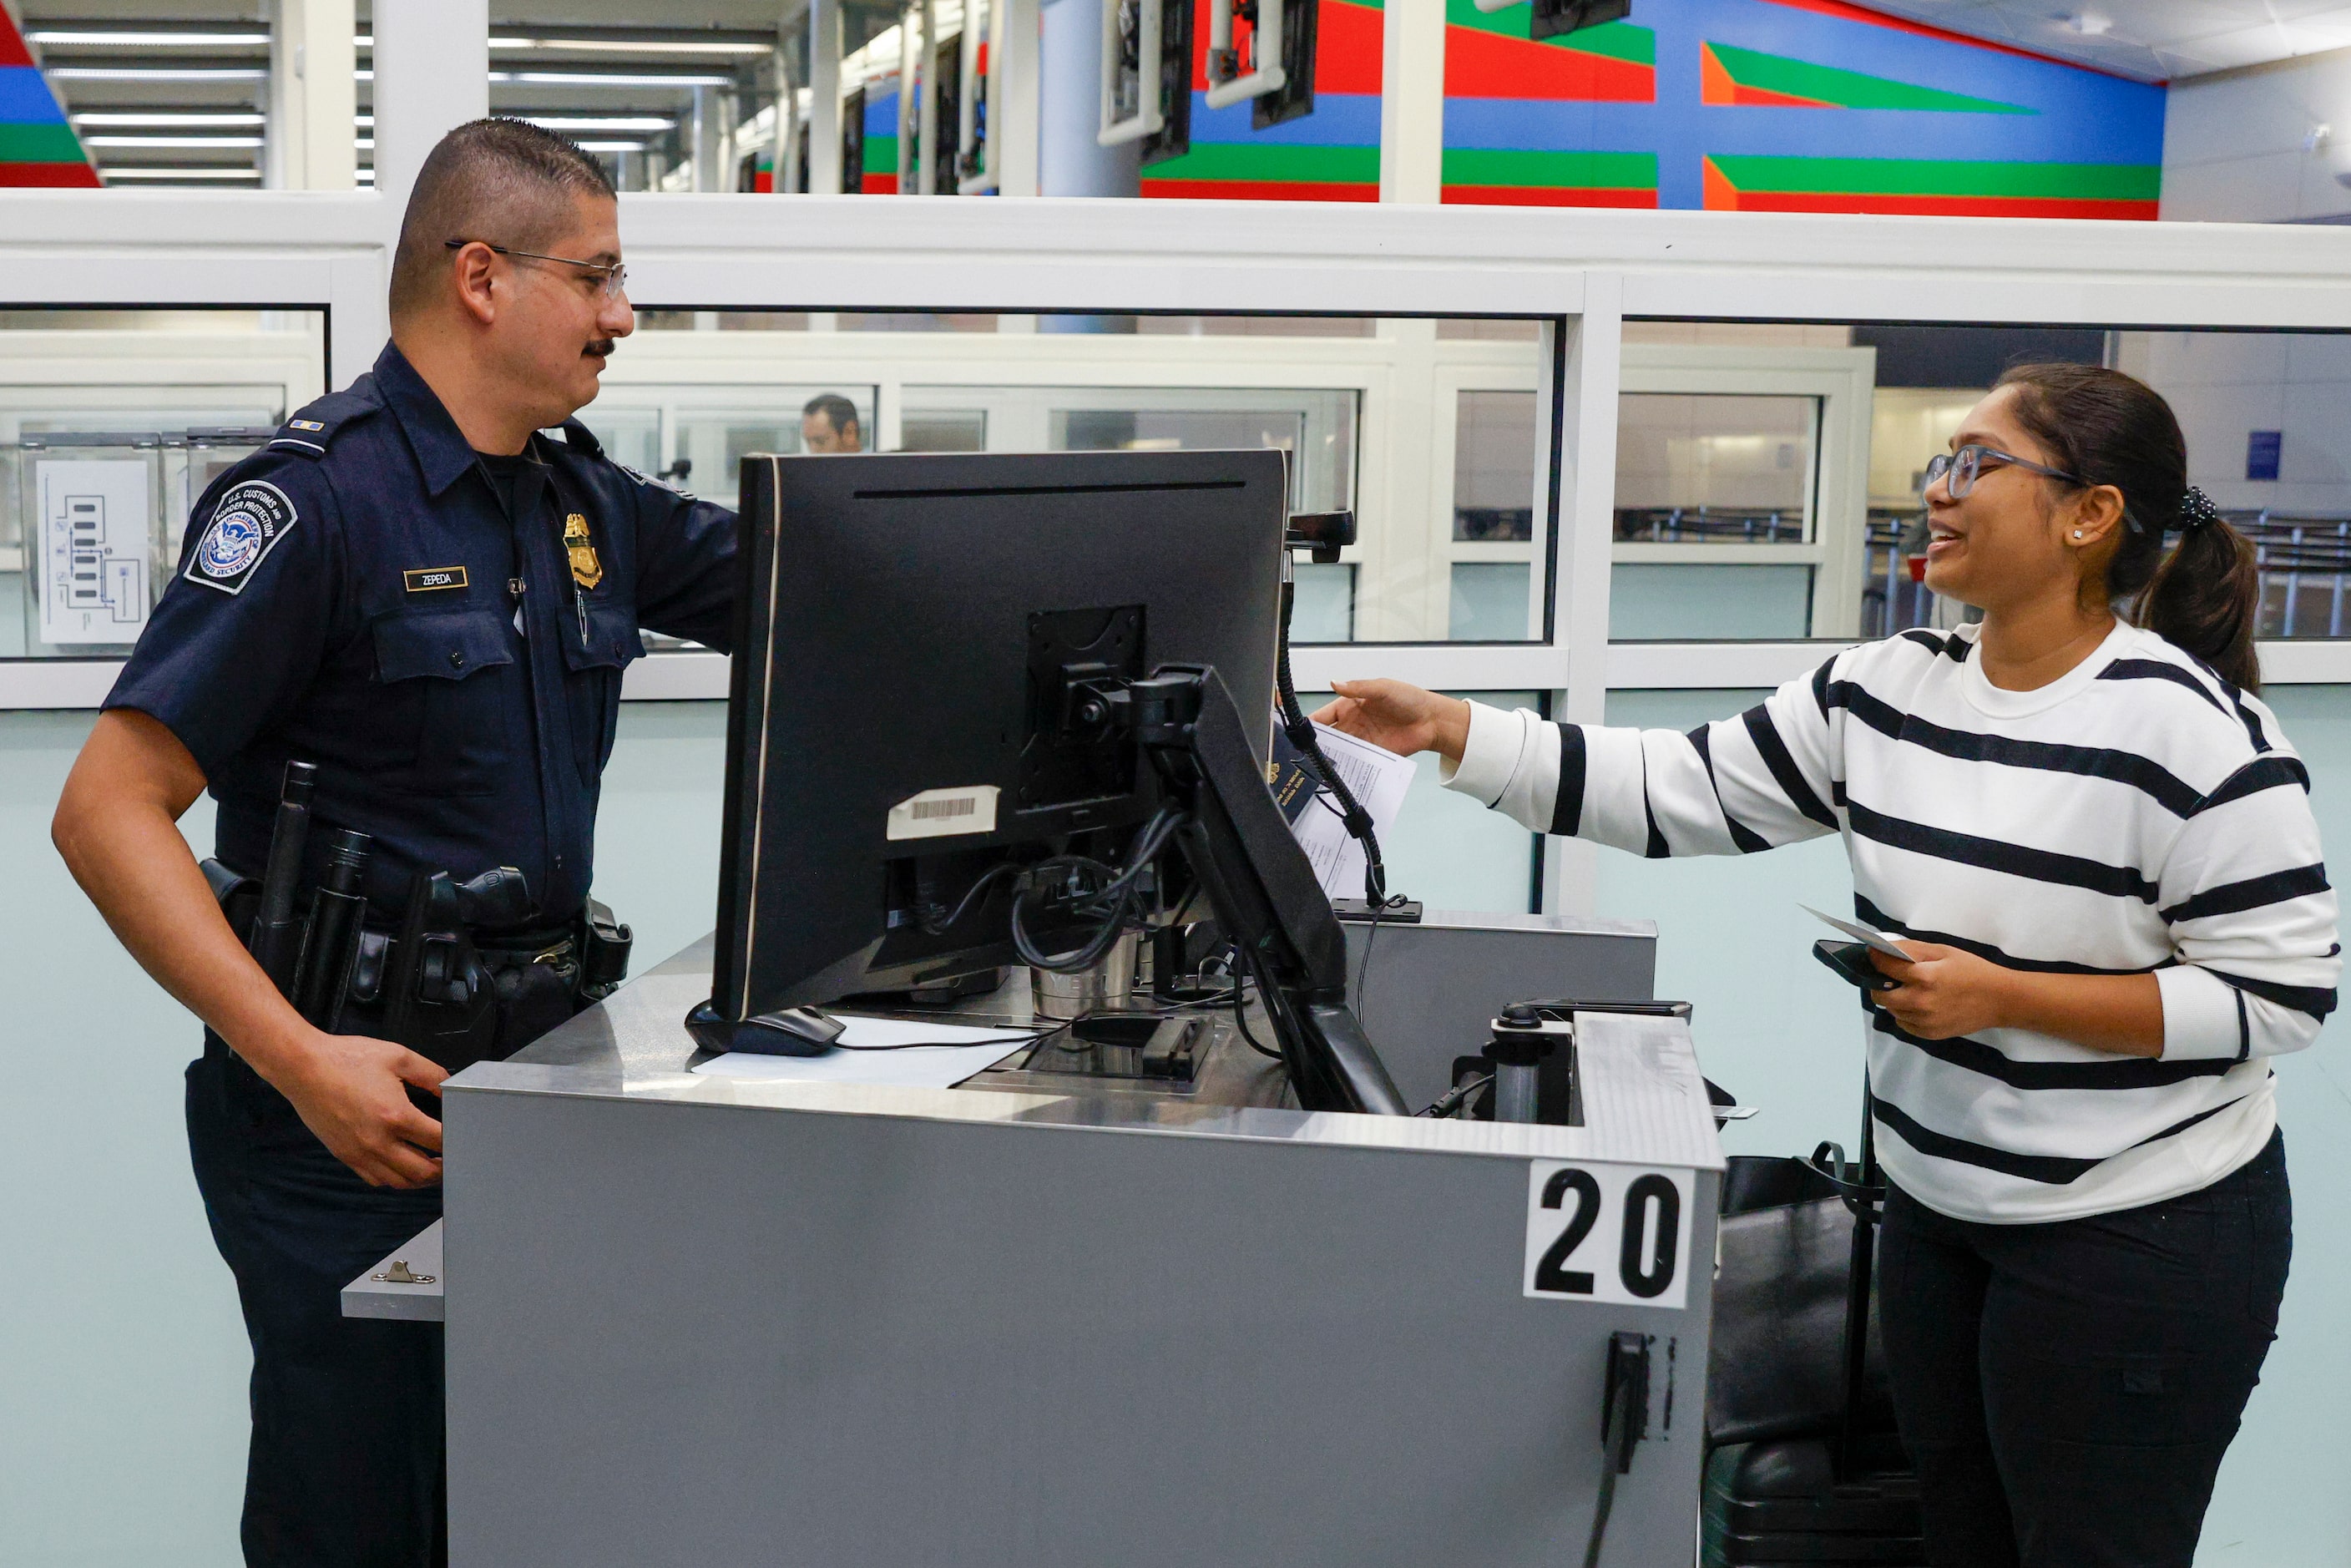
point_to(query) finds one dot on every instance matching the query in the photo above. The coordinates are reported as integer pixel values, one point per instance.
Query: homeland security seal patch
(245, 527)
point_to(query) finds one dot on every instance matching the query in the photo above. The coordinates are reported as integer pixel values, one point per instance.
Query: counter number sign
(1607, 1233)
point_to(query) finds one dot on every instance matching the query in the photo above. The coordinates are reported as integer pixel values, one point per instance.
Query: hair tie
(2197, 511)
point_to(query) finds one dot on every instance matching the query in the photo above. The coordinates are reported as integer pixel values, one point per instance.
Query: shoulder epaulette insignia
(313, 427)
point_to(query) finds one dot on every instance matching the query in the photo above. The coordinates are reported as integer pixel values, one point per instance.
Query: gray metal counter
(710, 1320)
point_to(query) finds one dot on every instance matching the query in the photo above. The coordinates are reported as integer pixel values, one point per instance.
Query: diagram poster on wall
(96, 538)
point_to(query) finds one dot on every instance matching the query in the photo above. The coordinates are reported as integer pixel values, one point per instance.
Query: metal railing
(1708, 525)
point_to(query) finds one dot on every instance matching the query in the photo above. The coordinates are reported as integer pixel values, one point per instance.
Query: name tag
(426, 579)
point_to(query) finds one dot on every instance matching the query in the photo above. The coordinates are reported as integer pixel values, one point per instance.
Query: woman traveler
(2098, 850)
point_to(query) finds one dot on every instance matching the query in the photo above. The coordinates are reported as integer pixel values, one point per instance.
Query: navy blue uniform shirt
(355, 595)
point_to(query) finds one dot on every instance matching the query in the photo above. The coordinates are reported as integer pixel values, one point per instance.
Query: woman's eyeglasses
(1964, 465)
(611, 276)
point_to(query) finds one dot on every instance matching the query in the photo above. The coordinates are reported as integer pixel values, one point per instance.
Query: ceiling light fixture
(156, 73)
(611, 78)
(171, 121)
(150, 40)
(611, 146)
(171, 140)
(111, 174)
(2090, 24)
(638, 46)
(599, 122)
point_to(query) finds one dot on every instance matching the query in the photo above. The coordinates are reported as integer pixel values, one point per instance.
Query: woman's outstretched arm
(1763, 779)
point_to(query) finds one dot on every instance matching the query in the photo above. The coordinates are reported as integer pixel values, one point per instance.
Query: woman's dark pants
(2066, 1390)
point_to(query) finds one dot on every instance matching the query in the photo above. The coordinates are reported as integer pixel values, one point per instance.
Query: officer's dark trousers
(346, 1466)
(2067, 1390)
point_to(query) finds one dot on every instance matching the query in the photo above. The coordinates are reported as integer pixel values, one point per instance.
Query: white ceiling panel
(2153, 40)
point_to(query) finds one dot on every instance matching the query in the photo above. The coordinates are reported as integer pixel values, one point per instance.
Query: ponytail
(2204, 594)
(2201, 596)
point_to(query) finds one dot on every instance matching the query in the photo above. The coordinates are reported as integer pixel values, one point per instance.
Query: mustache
(602, 348)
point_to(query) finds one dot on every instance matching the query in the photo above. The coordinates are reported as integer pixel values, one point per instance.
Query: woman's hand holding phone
(1942, 992)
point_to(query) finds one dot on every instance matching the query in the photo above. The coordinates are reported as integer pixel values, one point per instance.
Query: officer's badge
(245, 527)
(585, 570)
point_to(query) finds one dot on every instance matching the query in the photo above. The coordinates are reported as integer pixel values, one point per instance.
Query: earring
(2077, 533)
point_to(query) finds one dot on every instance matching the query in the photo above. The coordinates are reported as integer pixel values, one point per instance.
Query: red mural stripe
(1931, 206)
(1545, 196)
(1348, 47)
(13, 51)
(1764, 98)
(51, 176)
(1259, 191)
(878, 184)
(1488, 65)
(1843, 12)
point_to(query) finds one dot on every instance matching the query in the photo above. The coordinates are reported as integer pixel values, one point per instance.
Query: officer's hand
(1400, 716)
(1945, 992)
(352, 1091)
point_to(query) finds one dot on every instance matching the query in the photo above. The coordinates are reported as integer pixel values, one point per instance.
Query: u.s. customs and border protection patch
(585, 570)
(245, 528)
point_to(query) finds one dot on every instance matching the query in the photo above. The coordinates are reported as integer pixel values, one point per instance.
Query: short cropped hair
(838, 410)
(503, 180)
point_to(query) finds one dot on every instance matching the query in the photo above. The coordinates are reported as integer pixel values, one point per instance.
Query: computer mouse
(788, 1031)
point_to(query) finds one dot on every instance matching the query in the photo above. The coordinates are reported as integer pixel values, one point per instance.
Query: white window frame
(1584, 270)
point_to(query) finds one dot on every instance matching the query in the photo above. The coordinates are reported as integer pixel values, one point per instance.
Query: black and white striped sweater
(2139, 814)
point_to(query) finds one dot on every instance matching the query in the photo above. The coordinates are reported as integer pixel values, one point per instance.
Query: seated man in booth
(828, 425)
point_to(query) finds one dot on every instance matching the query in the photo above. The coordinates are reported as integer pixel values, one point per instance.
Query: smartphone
(1850, 960)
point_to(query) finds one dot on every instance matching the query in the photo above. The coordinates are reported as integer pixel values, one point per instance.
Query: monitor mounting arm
(1258, 880)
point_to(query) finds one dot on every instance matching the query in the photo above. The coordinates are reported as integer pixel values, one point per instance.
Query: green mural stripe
(1943, 177)
(1589, 170)
(51, 143)
(1843, 89)
(1617, 40)
(881, 156)
(1248, 160)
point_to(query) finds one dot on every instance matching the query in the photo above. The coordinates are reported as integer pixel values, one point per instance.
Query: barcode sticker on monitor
(941, 813)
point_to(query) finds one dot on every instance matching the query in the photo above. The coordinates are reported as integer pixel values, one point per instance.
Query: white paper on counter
(1379, 779)
(962, 1051)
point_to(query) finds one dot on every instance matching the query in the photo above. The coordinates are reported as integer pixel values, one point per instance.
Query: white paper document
(1379, 779)
(1877, 939)
(929, 1055)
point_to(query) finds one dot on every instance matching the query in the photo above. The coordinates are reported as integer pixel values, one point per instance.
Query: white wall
(2237, 146)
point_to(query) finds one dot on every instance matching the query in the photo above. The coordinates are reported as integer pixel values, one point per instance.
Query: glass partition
(112, 422)
(1770, 477)
(1435, 436)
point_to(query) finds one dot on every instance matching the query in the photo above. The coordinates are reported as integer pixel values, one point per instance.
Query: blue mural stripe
(1339, 120)
(1501, 124)
(24, 97)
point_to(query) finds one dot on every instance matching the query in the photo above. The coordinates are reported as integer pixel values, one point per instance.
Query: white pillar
(784, 147)
(824, 96)
(1012, 114)
(1412, 101)
(431, 75)
(313, 101)
(910, 54)
(926, 109)
(1070, 161)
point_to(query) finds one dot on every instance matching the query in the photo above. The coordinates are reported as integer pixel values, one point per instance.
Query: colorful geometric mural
(1331, 155)
(37, 144)
(1749, 105)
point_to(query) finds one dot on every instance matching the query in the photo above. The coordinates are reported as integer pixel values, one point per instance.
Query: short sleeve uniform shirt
(360, 595)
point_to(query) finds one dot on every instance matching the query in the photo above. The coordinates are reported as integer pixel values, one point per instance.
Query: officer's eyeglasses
(613, 277)
(1964, 465)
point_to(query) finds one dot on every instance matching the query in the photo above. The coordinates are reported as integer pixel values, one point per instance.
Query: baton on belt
(276, 940)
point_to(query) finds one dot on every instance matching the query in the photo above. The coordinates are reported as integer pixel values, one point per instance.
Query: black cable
(1113, 903)
(933, 927)
(1453, 1099)
(1600, 1507)
(1302, 732)
(1240, 1022)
